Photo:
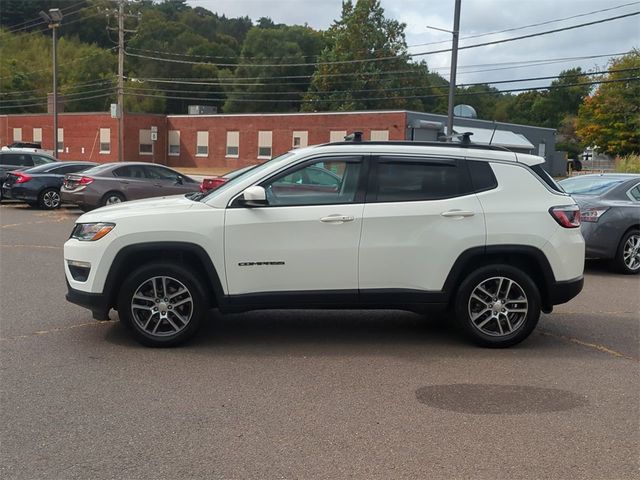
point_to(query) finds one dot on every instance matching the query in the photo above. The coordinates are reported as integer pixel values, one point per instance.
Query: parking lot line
(593, 346)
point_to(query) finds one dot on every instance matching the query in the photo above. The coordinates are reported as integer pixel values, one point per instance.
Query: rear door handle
(458, 213)
(337, 219)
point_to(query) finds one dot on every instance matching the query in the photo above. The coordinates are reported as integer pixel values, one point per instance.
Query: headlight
(91, 231)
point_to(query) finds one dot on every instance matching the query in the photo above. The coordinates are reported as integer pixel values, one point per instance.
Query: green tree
(610, 118)
(273, 45)
(366, 64)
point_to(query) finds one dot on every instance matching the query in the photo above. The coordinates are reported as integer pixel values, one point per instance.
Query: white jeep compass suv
(480, 231)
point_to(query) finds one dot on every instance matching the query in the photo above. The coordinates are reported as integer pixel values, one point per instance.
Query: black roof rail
(421, 144)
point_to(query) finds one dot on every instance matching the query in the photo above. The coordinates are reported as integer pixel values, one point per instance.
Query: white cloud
(477, 16)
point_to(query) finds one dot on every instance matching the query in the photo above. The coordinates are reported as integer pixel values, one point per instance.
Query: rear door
(132, 181)
(168, 182)
(420, 215)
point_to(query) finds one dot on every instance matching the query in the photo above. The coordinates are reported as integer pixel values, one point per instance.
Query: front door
(306, 239)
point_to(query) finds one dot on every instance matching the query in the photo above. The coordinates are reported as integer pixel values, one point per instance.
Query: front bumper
(98, 303)
(562, 292)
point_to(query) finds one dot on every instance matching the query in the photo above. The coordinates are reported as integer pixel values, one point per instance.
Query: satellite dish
(465, 111)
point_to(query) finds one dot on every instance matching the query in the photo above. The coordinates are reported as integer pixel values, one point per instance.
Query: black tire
(49, 199)
(165, 320)
(112, 198)
(490, 328)
(631, 264)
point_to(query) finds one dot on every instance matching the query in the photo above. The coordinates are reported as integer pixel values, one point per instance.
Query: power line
(414, 87)
(66, 95)
(40, 21)
(380, 59)
(42, 103)
(71, 86)
(528, 26)
(232, 82)
(331, 100)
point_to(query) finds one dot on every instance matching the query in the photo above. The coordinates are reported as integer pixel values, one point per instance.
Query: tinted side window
(130, 171)
(159, 173)
(69, 169)
(411, 180)
(18, 159)
(41, 160)
(634, 193)
(546, 178)
(299, 186)
(482, 176)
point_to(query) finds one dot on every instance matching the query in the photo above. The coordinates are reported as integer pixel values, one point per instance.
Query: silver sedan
(610, 215)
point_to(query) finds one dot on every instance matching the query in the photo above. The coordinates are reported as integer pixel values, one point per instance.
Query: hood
(150, 206)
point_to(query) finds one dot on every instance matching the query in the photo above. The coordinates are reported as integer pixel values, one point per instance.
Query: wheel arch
(182, 253)
(102, 199)
(529, 259)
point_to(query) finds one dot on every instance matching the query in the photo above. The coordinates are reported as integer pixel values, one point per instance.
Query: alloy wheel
(631, 253)
(112, 200)
(51, 199)
(162, 306)
(498, 306)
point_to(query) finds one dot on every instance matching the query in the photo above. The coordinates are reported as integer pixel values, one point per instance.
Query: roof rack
(419, 144)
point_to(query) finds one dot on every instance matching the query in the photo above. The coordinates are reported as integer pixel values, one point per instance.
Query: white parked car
(483, 232)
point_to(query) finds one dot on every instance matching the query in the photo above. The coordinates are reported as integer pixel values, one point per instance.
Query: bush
(628, 164)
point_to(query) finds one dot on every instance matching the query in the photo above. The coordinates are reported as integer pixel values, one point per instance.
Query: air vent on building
(202, 110)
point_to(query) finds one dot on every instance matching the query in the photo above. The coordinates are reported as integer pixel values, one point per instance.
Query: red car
(212, 183)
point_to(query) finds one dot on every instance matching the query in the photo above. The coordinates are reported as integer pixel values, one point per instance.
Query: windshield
(590, 185)
(242, 176)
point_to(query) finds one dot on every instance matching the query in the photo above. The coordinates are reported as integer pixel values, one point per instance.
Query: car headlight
(90, 232)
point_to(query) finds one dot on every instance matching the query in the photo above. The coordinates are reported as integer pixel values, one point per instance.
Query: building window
(174, 142)
(233, 144)
(145, 146)
(37, 135)
(542, 149)
(337, 135)
(300, 139)
(17, 134)
(380, 135)
(105, 140)
(264, 144)
(202, 144)
(61, 140)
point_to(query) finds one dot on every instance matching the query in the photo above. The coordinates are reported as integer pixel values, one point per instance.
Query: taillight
(85, 181)
(21, 177)
(592, 214)
(568, 216)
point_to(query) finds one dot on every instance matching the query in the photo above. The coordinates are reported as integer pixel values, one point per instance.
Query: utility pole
(454, 67)
(120, 93)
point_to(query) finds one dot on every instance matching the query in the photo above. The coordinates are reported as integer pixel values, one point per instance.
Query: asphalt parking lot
(312, 395)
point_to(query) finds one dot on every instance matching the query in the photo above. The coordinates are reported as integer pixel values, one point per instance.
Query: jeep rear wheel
(163, 304)
(497, 306)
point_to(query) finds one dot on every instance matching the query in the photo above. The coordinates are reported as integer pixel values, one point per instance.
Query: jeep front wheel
(497, 306)
(163, 304)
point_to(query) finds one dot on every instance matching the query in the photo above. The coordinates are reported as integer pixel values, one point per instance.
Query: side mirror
(179, 180)
(255, 196)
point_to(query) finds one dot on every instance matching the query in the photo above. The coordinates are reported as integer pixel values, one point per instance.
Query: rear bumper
(98, 303)
(562, 292)
(18, 193)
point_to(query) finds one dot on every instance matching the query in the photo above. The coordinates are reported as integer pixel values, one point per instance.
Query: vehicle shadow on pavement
(347, 333)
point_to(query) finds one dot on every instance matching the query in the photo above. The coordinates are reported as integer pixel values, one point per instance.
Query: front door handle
(337, 219)
(458, 213)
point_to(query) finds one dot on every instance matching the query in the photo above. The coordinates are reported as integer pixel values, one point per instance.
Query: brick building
(236, 140)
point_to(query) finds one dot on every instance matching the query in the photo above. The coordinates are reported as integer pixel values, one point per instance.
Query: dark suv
(16, 160)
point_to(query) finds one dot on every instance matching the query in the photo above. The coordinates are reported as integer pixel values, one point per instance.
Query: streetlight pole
(53, 19)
